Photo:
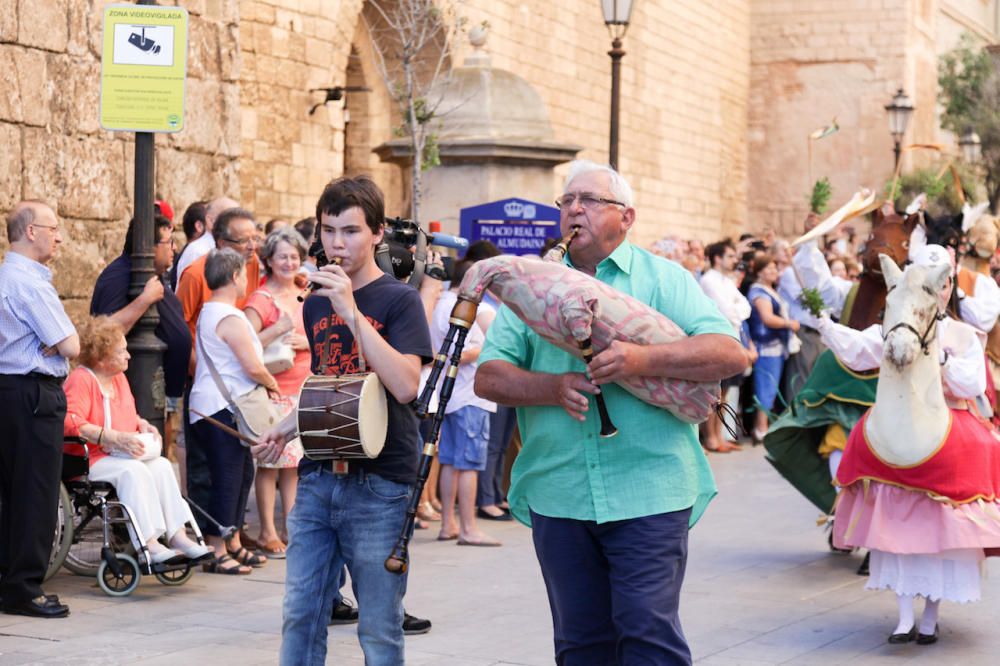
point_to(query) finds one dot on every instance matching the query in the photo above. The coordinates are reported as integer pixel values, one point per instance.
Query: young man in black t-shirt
(352, 512)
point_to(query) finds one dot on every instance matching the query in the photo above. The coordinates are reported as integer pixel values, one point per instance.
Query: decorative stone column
(495, 141)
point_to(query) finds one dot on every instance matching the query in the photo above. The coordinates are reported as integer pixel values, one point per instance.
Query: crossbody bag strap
(215, 373)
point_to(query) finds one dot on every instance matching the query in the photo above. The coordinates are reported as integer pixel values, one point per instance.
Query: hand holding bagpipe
(463, 316)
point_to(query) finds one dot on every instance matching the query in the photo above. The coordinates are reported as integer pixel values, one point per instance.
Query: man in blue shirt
(610, 517)
(111, 298)
(37, 341)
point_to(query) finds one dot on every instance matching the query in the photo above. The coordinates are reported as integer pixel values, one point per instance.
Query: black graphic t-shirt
(394, 309)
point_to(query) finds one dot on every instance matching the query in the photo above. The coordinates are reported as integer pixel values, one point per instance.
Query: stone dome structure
(487, 114)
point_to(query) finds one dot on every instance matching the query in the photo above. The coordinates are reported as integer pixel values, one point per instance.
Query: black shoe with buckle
(344, 613)
(41, 606)
(415, 625)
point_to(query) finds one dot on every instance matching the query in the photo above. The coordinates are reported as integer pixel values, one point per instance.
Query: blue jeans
(353, 519)
(614, 589)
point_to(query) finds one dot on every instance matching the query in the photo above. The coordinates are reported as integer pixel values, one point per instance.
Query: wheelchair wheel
(84, 556)
(63, 537)
(119, 586)
(176, 577)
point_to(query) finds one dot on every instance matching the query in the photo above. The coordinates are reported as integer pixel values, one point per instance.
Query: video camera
(394, 256)
(405, 232)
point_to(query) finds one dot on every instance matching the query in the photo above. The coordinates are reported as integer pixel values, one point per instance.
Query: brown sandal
(244, 556)
(215, 566)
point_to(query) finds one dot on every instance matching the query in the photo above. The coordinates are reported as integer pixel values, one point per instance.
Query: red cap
(434, 226)
(165, 209)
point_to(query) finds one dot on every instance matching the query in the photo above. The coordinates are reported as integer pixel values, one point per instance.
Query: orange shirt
(193, 291)
(85, 404)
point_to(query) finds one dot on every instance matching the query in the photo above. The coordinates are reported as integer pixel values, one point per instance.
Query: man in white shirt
(719, 284)
(205, 243)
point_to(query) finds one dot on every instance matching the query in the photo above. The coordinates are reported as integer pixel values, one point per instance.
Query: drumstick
(226, 429)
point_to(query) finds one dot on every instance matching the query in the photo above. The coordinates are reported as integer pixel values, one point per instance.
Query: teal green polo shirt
(655, 463)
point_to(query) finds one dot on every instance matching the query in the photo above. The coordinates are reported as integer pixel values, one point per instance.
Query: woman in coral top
(276, 313)
(122, 446)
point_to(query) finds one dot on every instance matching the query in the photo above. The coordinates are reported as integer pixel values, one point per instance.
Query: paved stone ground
(761, 589)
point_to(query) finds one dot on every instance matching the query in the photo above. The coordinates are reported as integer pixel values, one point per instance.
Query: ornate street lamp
(616, 17)
(900, 110)
(971, 146)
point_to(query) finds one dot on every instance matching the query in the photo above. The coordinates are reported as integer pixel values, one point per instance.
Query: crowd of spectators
(753, 282)
(231, 319)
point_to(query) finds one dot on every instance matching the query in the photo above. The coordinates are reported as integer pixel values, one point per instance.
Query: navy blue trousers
(490, 480)
(230, 468)
(614, 589)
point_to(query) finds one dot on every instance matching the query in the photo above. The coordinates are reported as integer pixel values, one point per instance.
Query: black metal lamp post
(616, 17)
(971, 145)
(145, 369)
(900, 110)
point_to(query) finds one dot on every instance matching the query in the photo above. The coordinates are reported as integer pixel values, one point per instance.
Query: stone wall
(685, 84)
(814, 60)
(684, 101)
(717, 101)
(54, 149)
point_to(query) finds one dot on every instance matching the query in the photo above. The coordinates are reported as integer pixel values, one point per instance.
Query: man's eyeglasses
(588, 200)
(45, 226)
(241, 243)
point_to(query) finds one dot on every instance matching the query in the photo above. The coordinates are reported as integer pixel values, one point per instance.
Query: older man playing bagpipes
(610, 515)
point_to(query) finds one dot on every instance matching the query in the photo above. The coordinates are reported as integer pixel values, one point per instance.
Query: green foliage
(820, 197)
(432, 152)
(970, 95)
(962, 77)
(942, 199)
(811, 300)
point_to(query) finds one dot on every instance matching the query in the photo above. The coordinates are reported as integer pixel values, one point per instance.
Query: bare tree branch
(412, 40)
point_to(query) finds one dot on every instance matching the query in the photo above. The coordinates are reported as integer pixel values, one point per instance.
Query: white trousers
(150, 490)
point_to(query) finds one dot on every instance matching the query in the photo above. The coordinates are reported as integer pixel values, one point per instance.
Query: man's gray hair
(222, 266)
(282, 235)
(620, 189)
(18, 221)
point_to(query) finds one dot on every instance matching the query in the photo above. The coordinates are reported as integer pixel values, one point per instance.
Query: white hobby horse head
(913, 307)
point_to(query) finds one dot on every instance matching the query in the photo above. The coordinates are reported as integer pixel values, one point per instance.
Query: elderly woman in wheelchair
(123, 448)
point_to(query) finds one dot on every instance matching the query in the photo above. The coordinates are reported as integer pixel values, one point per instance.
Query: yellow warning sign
(143, 68)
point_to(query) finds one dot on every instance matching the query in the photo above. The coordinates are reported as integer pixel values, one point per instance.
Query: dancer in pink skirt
(921, 472)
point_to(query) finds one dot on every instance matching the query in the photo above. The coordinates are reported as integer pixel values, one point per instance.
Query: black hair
(716, 250)
(159, 223)
(195, 213)
(358, 192)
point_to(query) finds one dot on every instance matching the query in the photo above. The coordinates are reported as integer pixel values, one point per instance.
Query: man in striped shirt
(37, 341)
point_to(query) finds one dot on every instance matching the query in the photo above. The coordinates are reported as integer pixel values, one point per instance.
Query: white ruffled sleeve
(858, 350)
(814, 272)
(963, 371)
(982, 309)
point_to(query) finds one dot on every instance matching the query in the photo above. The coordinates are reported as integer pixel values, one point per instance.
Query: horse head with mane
(890, 236)
(910, 373)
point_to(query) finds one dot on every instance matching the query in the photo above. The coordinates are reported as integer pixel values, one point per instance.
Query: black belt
(41, 376)
(38, 376)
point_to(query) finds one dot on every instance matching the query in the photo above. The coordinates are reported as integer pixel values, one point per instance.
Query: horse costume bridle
(923, 338)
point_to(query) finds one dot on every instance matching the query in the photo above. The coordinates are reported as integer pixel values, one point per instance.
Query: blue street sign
(515, 226)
